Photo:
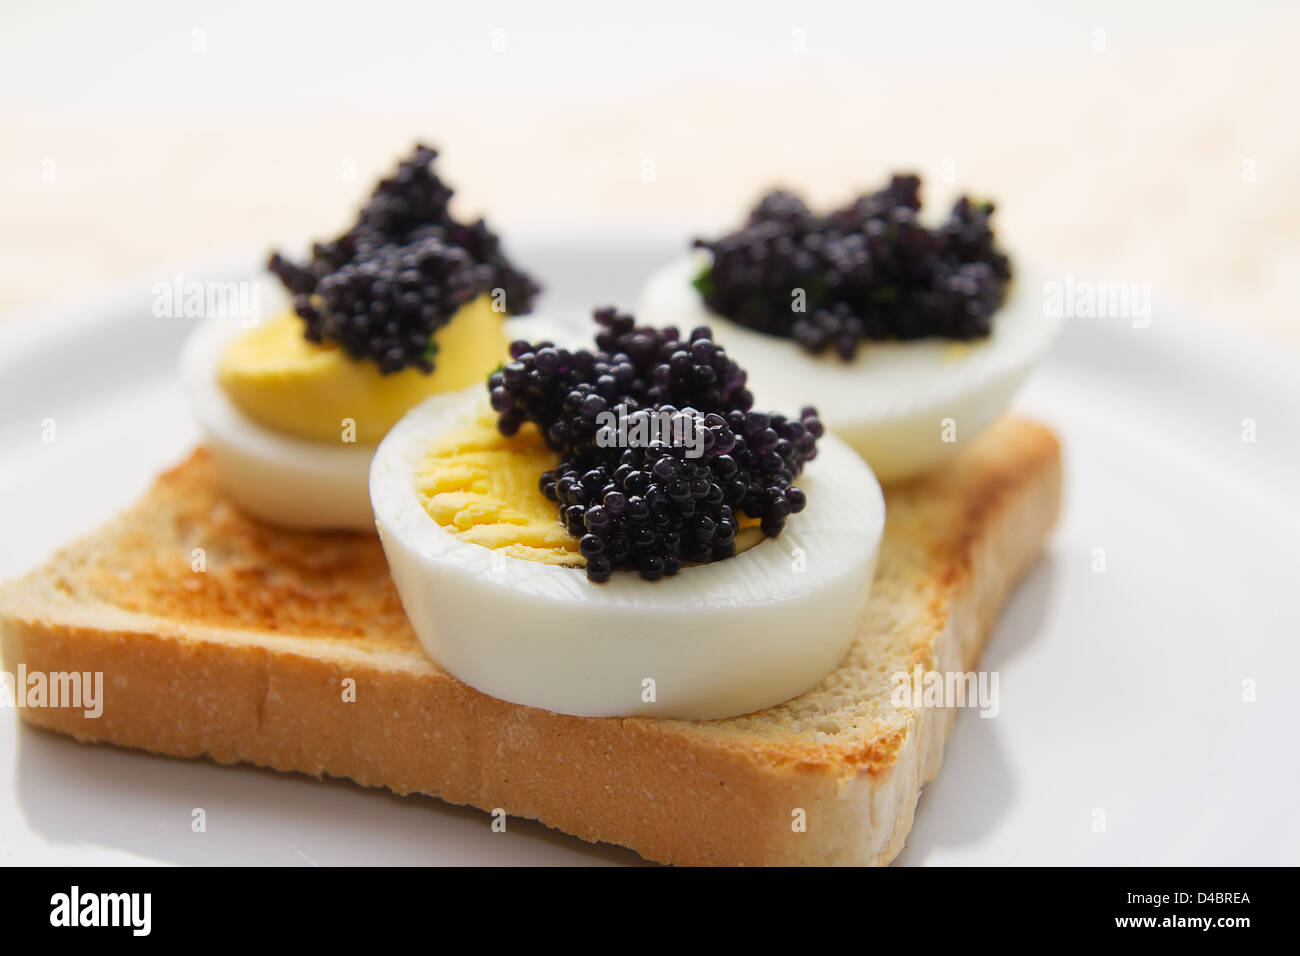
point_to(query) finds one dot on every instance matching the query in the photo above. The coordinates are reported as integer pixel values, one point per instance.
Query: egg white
(717, 639)
(282, 479)
(892, 403)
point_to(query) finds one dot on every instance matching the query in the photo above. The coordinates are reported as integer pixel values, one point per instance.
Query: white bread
(245, 661)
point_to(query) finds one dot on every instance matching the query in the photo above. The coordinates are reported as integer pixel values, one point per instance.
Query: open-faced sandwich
(625, 582)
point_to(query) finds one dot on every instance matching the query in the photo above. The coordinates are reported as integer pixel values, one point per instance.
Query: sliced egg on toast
(497, 595)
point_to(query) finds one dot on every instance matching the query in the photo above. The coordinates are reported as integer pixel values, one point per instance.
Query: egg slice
(278, 378)
(282, 478)
(715, 640)
(904, 406)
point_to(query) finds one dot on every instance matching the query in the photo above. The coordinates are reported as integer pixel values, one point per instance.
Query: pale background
(1156, 145)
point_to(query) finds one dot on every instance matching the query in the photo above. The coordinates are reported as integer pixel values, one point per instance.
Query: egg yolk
(482, 487)
(317, 391)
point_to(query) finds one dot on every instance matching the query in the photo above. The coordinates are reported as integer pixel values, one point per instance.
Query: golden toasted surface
(226, 638)
(187, 554)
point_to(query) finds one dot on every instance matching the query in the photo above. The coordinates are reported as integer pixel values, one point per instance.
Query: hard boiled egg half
(292, 425)
(904, 406)
(494, 586)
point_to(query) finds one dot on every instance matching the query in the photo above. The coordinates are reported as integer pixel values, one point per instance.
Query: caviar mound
(385, 286)
(660, 452)
(867, 271)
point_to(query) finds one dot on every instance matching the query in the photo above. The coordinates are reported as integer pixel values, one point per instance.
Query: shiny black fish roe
(384, 287)
(866, 271)
(650, 507)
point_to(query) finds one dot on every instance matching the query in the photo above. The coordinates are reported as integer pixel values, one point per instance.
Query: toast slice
(246, 659)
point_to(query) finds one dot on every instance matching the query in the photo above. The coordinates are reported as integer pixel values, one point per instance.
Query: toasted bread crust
(246, 660)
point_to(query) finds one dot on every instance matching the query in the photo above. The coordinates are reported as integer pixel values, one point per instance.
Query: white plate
(1121, 691)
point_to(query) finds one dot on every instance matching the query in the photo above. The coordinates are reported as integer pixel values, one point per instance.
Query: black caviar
(869, 270)
(384, 287)
(651, 506)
